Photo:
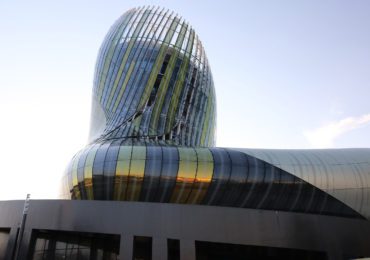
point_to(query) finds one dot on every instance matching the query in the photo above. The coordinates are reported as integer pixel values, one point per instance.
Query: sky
(288, 74)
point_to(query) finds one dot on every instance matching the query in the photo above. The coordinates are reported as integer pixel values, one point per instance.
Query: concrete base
(338, 237)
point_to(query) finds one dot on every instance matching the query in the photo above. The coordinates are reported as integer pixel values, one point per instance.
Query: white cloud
(324, 136)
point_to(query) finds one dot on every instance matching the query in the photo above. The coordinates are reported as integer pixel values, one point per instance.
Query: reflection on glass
(185, 175)
(65, 245)
(88, 172)
(203, 177)
(120, 180)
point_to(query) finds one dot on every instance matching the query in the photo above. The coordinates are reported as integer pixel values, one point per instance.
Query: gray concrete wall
(188, 223)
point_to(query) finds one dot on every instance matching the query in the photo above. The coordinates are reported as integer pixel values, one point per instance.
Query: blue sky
(288, 74)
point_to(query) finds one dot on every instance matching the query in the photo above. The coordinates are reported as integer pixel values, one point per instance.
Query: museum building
(150, 184)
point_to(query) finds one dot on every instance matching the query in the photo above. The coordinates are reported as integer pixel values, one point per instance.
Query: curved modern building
(151, 184)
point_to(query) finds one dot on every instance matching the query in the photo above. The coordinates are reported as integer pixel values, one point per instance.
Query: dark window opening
(165, 63)
(167, 136)
(153, 94)
(173, 249)
(190, 93)
(4, 237)
(158, 80)
(142, 248)
(51, 245)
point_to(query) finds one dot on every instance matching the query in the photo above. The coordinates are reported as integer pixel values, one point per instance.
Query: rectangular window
(4, 237)
(48, 244)
(173, 249)
(142, 248)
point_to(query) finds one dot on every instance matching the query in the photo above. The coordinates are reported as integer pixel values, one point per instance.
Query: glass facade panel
(270, 188)
(203, 177)
(186, 175)
(76, 189)
(53, 245)
(121, 179)
(153, 167)
(288, 191)
(170, 166)
(80, 173)
(88, 172)
(221, 176)
(98, 174)
(257, 184)
(238, 177)
(135, 179)
(110, 169)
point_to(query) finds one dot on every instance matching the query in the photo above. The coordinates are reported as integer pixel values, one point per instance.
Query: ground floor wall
(337, 237)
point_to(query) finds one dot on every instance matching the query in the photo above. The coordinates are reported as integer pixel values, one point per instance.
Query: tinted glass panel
(170, 166)
(51, 245)
(238, 177)
(153, 168)
(221, 175)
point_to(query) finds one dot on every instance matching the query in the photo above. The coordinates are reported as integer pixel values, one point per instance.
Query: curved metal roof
(342, 173)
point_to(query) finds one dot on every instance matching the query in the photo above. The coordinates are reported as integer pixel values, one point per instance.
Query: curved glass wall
(189, 175)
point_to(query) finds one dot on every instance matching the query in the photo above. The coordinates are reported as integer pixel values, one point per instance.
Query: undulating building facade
(151, 184)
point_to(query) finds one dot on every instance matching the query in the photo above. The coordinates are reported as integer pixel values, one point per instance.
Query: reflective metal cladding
(153, 129)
